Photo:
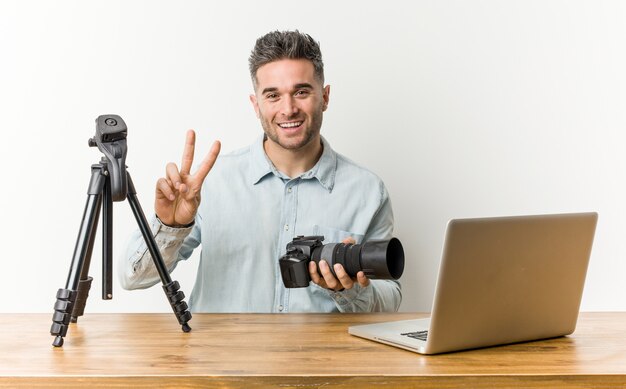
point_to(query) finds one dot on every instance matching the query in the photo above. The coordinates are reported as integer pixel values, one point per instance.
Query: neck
(294, 162)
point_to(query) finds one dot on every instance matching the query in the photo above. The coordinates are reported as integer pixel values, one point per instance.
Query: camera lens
(378, 259)
(383, 258)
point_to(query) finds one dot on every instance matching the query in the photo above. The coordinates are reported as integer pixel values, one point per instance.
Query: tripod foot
(62, 313)
(175, 297)
(58, 341)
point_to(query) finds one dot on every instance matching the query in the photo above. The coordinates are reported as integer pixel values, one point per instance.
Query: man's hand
(342, 281)
(177, 195)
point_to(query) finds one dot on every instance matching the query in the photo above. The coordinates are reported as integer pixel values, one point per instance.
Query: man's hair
(278, 45)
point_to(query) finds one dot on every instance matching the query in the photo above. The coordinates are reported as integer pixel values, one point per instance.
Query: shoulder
(230, 168)
(233, 158)
(347, 167)
(358, 180)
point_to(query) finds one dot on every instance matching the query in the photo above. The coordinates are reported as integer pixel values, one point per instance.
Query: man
(257, 199)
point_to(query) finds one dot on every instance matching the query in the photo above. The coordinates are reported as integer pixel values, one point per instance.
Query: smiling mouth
(290, 124)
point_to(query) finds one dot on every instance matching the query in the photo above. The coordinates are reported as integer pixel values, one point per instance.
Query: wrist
(175, 225)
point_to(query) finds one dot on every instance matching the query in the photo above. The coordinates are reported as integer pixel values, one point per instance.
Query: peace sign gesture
(177, 195)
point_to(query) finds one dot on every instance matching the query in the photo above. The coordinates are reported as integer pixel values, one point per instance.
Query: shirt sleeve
(136, 267)
(379, 295)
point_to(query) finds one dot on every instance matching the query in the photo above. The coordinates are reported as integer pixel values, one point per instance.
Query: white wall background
(464, 108)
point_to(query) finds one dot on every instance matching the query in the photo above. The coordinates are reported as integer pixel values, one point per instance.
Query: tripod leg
(66, 298)
(107, 242)
(84, 284)
(171, 288)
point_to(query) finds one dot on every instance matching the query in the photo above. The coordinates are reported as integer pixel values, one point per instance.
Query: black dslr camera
(378, 259)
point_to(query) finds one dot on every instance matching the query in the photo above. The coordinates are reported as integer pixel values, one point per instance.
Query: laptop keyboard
(420, 335)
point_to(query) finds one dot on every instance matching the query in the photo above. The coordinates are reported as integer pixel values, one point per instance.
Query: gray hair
(278, 45)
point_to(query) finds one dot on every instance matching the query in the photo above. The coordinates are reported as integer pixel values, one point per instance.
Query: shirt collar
(324, 170)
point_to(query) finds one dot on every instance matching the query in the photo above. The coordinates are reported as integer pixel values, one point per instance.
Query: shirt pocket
(334, 235)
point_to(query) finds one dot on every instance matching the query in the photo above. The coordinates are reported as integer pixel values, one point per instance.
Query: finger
(329, 278)
(172, 174)
(343, 277)
(164, 190)
(362, 279)
(190, 145)
(349, 240)
(208, 162)
(315, 276)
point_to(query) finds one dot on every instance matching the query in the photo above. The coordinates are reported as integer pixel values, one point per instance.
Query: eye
(271, 96)
(302, 92)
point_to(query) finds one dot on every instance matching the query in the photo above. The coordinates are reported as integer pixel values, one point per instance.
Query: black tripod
(109, 182)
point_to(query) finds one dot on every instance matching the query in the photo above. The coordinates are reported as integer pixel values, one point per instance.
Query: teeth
(290, 125)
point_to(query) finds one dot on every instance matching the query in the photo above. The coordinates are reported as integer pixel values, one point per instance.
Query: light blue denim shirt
(248, 214)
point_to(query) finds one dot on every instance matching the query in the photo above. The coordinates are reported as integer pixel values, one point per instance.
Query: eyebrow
(296, 86)
(303, 85)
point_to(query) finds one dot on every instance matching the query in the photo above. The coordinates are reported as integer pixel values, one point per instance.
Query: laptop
(501, 280)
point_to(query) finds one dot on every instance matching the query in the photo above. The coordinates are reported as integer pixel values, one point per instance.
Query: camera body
(378, 259)
(294, 265)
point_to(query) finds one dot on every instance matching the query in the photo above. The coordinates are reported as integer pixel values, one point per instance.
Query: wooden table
(291, 350)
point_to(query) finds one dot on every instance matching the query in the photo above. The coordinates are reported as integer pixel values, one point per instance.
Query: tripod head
(110, 139)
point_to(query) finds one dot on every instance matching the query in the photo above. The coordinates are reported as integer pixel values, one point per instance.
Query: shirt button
(289, 190)
(286, 227)
(280, 308)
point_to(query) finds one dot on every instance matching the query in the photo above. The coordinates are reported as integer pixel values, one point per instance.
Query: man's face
(289, 101)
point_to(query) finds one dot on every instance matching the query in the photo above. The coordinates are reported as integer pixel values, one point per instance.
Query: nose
(289, 107)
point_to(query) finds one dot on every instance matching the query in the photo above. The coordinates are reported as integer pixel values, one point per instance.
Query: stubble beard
(310, 132)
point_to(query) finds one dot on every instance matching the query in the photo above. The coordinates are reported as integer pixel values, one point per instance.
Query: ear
(326, 97)
(255, 105)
